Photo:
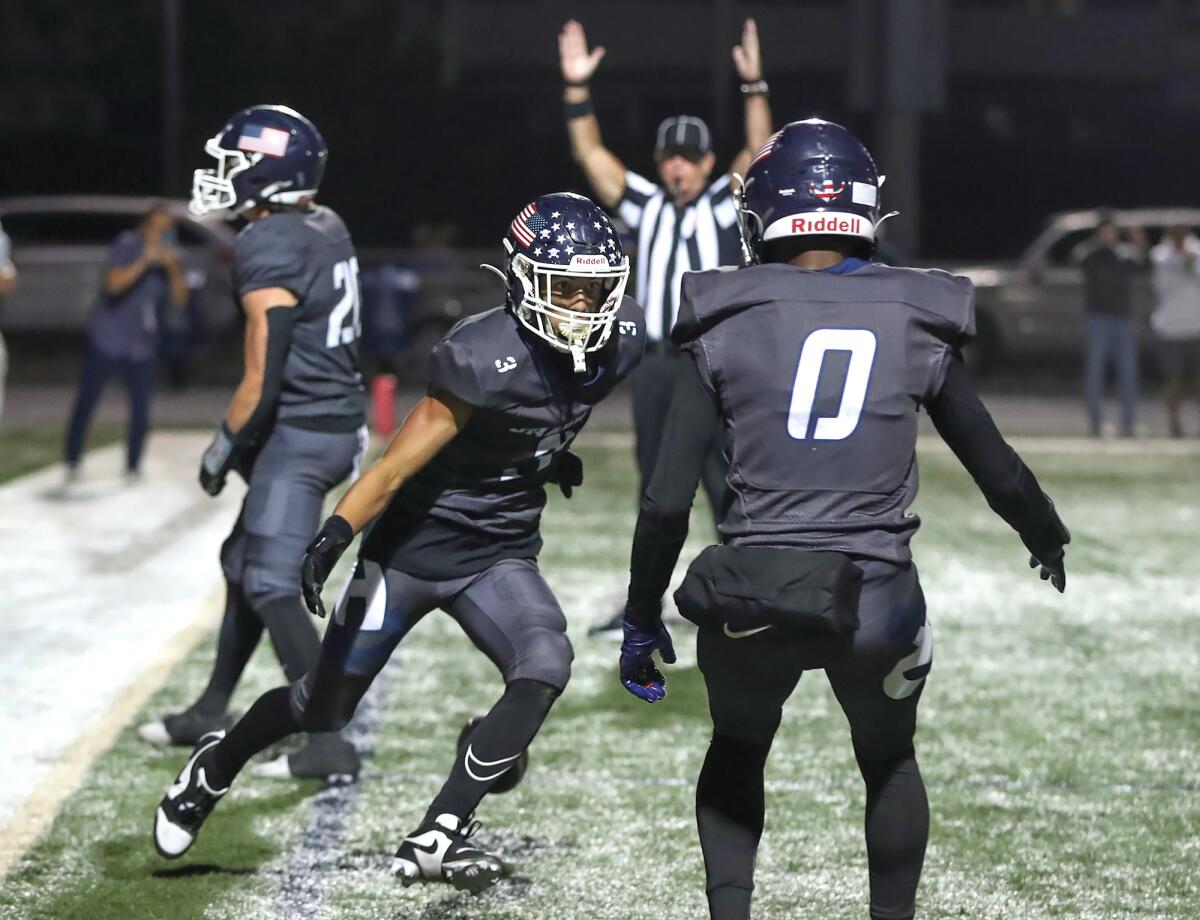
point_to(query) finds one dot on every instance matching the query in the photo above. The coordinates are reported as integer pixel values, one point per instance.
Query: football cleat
(511, 776)
(187, 803)
(440, 850)
(184, 728)
(328, 757)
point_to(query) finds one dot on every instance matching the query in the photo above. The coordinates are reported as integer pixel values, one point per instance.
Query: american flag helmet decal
(526, 225)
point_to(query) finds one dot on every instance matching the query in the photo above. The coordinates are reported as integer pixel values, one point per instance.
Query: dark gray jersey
(481, 498)
(310, 254)
(819, 377)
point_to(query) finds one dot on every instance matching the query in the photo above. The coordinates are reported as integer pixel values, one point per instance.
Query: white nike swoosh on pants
(743, 633)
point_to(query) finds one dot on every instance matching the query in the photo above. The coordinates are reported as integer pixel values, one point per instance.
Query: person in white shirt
(1176, 317)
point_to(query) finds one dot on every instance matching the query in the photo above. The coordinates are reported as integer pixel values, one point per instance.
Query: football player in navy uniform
(456, 501)
(294, 428)
(815, 361)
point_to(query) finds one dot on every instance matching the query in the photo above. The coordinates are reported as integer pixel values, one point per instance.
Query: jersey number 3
(861, 345)
(344, 324)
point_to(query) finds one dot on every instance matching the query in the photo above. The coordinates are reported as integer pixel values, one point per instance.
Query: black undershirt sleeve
(1006, 482)
(662, 526)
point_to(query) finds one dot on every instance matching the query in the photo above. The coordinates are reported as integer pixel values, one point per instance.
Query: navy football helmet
(266, 155)
(560, 236)
(813, 178)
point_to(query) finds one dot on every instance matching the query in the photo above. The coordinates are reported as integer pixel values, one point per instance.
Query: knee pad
(546, 658)
(263, 585)
(233, 556)
(737, 722)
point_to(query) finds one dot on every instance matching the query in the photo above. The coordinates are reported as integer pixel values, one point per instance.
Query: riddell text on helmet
(826, 224)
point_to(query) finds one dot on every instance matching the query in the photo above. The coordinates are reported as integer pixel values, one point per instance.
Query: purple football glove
(638, 672)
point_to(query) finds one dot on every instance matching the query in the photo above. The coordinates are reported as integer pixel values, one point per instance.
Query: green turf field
(1059, 739)
(23, 450)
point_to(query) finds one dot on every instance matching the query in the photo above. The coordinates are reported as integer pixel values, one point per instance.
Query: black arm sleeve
(280, 323)
(1007, 483)
(662, 524)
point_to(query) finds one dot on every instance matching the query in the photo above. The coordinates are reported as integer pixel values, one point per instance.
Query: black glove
(1046, 549)
(218, 457)
(568, 472)
(1053, 570)
(321, 556)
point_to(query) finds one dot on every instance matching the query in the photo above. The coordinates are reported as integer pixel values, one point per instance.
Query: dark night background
(451, 111)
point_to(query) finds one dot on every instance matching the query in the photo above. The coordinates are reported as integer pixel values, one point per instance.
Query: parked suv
(59, 243)
(1032, 309)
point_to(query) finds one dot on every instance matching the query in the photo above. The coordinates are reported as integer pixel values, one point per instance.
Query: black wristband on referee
(579, 109)
(576, 83)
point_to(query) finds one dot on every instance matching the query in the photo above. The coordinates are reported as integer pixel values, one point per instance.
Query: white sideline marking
(99, 581)
(39, 809)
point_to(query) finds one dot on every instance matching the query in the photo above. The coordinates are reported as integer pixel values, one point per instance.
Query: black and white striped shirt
(671, 240)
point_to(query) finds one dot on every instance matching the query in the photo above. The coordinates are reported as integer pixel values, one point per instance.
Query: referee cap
(685, 135)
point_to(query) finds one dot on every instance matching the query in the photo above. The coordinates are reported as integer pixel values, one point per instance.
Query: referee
(685, 222)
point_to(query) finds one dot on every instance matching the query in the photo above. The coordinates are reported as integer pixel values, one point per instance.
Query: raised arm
(120, 278)
(747, 58)
(1011, 489)
(176, 280)
(431, 425)
(605, 173)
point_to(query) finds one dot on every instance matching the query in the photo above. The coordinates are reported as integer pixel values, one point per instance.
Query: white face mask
(212, 189)
(574, 331)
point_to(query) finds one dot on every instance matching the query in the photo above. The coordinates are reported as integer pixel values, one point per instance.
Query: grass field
(23, 450)
(1060, 741)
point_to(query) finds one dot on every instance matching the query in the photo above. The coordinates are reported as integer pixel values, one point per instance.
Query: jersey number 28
(344, 324)
(861, 345)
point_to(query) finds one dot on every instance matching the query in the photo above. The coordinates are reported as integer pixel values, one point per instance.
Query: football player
(294, 428)
(815, 360)
(456, 501)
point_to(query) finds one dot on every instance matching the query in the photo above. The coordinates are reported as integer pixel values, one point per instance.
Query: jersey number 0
(344, 324)
(861, 345)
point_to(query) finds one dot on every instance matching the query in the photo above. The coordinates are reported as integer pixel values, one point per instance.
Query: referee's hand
(747, 57)
(577, 64)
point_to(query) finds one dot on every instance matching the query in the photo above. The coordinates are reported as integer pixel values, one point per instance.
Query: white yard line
(106, 586)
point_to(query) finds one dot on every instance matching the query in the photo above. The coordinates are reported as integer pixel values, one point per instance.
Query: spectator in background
(8, 283)
(180, 330)
(142, 274)
(1109, 268)
(1176, 317)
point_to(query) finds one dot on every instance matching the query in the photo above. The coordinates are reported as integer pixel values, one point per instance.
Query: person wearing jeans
(1109, 268)
(142, 273)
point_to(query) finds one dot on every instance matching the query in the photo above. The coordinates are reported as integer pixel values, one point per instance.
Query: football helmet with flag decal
(566, 273)
(266, 155)
(811, 178)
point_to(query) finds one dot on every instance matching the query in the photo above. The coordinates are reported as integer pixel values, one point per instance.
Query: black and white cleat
(182, 811)
(440, 850)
